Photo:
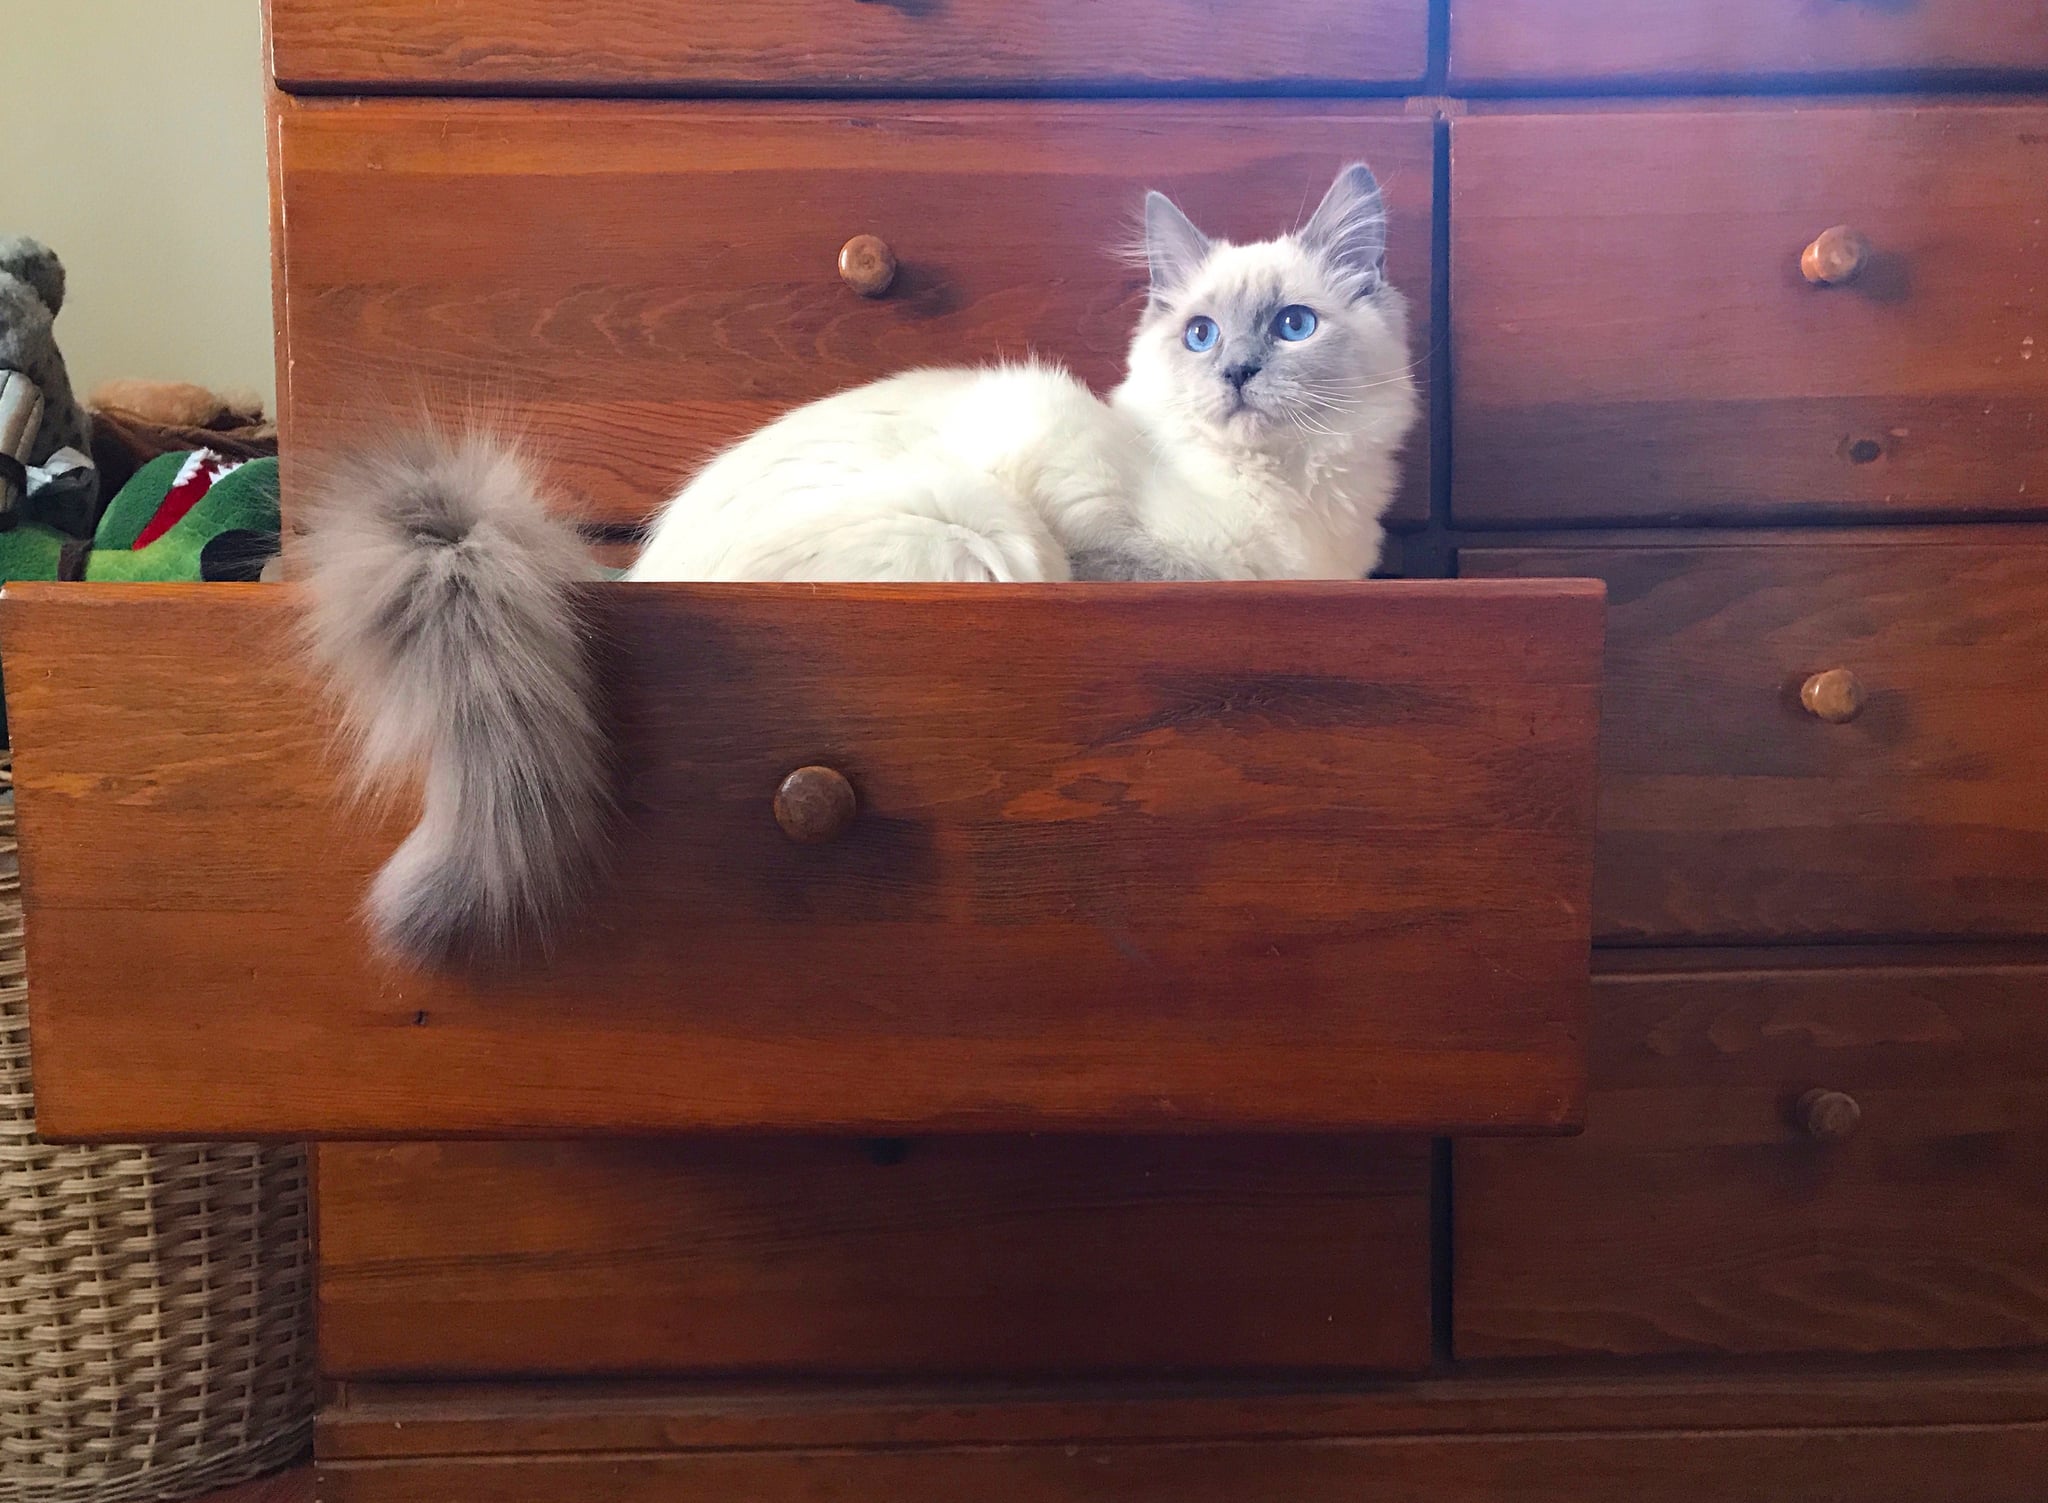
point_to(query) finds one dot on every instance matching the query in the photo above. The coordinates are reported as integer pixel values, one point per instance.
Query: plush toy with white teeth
(45, 436)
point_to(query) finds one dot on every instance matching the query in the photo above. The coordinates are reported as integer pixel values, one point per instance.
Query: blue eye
(1201, 335)
(1294, 323)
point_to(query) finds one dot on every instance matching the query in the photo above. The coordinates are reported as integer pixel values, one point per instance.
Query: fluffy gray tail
(444, 606)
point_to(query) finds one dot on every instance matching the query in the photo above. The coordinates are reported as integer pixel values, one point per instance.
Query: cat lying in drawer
(1256, 436)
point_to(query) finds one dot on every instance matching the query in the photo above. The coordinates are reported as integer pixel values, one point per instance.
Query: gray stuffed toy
(45, 435)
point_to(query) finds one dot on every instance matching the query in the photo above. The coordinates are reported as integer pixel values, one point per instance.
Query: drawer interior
(1275, 857)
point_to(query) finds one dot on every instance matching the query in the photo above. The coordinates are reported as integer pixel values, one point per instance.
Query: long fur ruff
(444, 608)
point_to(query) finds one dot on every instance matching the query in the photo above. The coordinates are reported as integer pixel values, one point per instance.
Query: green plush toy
(189, 516)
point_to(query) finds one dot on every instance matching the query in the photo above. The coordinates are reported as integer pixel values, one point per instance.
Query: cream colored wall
(131, 140)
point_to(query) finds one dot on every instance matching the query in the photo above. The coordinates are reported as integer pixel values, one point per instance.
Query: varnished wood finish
(1633, 337)
(1295, 857)
(867, 265)
(1698, 1213)
(637, 285)
(1902, 1434)
(1834, 695)
(1828, 1116)
(814, 805)
(1603, 42)
(1966, 1464)
(1730, 812)
(521, 46)
(371, 1420)
(1837, 254)
(933, 1258)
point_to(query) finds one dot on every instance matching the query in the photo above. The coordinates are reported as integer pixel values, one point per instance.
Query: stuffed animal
(184, 517)
(44, 433)
(178, 404)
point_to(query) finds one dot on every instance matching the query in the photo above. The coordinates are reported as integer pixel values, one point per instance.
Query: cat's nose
(1237, 375)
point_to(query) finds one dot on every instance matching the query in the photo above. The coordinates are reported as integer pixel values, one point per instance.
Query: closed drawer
(636, 285)
(1708, 1209)
(1284, 857)
(839, 45)
(1498, 42)
(1634, 336)
(990, 1256)
(1731, 810)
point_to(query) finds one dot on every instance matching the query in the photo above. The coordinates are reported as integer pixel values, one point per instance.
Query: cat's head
(1279, 342)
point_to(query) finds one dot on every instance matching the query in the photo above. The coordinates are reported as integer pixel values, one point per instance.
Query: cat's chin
(1248, 423)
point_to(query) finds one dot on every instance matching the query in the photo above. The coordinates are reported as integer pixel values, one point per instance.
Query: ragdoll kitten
(1255, 436)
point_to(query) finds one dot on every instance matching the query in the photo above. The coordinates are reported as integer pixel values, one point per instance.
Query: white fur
(1008, 473)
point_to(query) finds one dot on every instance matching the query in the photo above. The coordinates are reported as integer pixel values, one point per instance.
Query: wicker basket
(155, 1320)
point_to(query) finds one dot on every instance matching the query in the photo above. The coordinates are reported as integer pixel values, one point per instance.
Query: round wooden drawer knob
(1834, 257)
(814, 805)
(1828, 1116)
(1835, 696)
(867, 265)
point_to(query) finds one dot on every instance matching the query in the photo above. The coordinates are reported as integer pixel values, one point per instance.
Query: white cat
(1255, 436)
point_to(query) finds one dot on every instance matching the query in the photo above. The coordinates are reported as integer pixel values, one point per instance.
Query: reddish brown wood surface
(1633, 337)
(1696, 1214)
(1961, 1464)
(1551, 42)
(1729, 811)
(367, 1421)
(932, 1257)
(636, 285)
(1291, 857)
(497, 46)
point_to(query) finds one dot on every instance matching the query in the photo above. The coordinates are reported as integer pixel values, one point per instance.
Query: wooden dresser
(1740, 309)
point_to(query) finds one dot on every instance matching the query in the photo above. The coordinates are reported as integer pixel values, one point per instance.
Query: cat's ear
(1349, 227)
(1174, 248)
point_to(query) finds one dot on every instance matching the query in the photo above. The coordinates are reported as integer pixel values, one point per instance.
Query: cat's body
(1013, 473)
(1256, 436)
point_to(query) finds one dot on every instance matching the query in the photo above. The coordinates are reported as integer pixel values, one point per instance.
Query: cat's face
(1270, 344)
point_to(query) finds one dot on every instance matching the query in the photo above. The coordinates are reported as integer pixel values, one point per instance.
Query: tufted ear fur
(1174, 248)
(36, 264)
(1349, 227)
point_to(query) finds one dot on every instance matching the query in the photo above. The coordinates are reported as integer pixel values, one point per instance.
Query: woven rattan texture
(155, 1303)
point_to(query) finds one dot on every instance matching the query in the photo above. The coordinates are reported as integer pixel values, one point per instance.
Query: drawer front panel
(1500, 42)
(836, 46)
(1634, 335)
(1731, 810)
(1306, 857)
(635, 286)
(990, 1256)
(1701, 1213)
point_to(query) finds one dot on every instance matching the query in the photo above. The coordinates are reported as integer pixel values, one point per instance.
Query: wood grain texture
(1730, 812)
(1696, 1215)
(366, 1421)
(931, 1257)
(1287, 857)
(1496, 43)
(635, 286)
(836, 46)
(1633, 337)
(1964, 1464)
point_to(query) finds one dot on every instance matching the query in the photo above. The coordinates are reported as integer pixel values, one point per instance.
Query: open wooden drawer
(1145, 858)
